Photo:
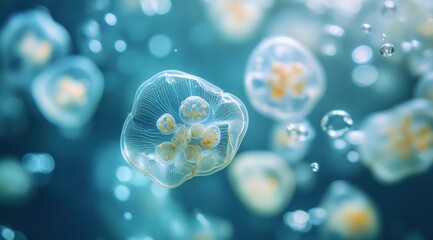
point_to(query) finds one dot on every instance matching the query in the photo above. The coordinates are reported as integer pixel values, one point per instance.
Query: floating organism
(237, 19)
(263, 181)
(15, 182)
(350, 214)
(283, 80)
(291, 147)
(68, 92)
(399, 142)
(31, 40)
(182, 126)
(424, 88)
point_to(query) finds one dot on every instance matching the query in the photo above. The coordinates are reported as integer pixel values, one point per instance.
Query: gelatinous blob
(336, 123)
(289, 148)
(350, 214)
(181, 126)
(283, 80)
(237, 20)
(15, 182)
(399, 142)
(263, 181)
(424, 88)
(32, 39)
(68, 91)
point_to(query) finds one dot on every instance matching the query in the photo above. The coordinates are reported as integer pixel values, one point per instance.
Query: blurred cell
(289, 148)
(31, 40)
(399, 141)
(7, 233)
(41, 165)
(364, 75)
(205, 227)
(161, 137)
(160, 45)
(424, 88)
(15, 182)
(237, 20)
(263, 181)
(350, 214)
(68, 92)
(152, 7)
(298, 220)
(283, 79)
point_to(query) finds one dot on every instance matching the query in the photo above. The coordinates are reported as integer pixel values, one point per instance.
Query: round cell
(399, 141)
(336, 123)
(68, 92)
(283, 80)
(201, 128)
(31, 40)
(264, 187)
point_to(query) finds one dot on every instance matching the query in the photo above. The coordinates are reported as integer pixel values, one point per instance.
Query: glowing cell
(283, 80)
(424, 88)
(350, 214)
(291, 149)
(237, 20)
(32, 39)
(399, 142)
(68, 91)
(182, 126)
(263, 181)
(15, 182)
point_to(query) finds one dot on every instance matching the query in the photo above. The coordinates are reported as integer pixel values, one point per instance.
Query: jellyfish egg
(350, 214)
(68, 92)
(283, 79)
(32, 39)
(182, 126)
(263, 181)
(400, 141)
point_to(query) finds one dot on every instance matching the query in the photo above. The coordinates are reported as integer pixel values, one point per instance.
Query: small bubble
(366, 28)
(314, 167)
(389, 8)
(127, 216)
(336, 123)
(387, 50)
(353, 156)
(297, 132)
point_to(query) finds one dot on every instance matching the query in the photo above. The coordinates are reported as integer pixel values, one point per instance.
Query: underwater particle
(366, 28)
(7, 233)
(127, 216)
(160, 45)
(39, 163)
(389, 8)
(364, 75)
(362, 54)
(314, 167)
(264, 187)
(68, 92)
(182, 126)
(31, 40)
(336, 123)
(399, 141)
(297, 132)
(110, 19)
(121, 192)
(424, 88)
(316, 216)
(387, 50)
(283, 79)
(353, 156)
(291, 148)
(297, 220)
(120, 46)
(15, 182)
(350, 214)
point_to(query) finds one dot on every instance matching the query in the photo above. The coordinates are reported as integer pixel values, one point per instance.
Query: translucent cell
(182, 126)
(291, 149)
(283, 80)
(263, 181)
(399, 142)
(15, 182)
(68, 92)
(32, 39)
(350, 214)
(237, 20)
(424, 88)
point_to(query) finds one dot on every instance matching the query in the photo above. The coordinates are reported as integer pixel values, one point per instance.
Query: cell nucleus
(182, 126)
